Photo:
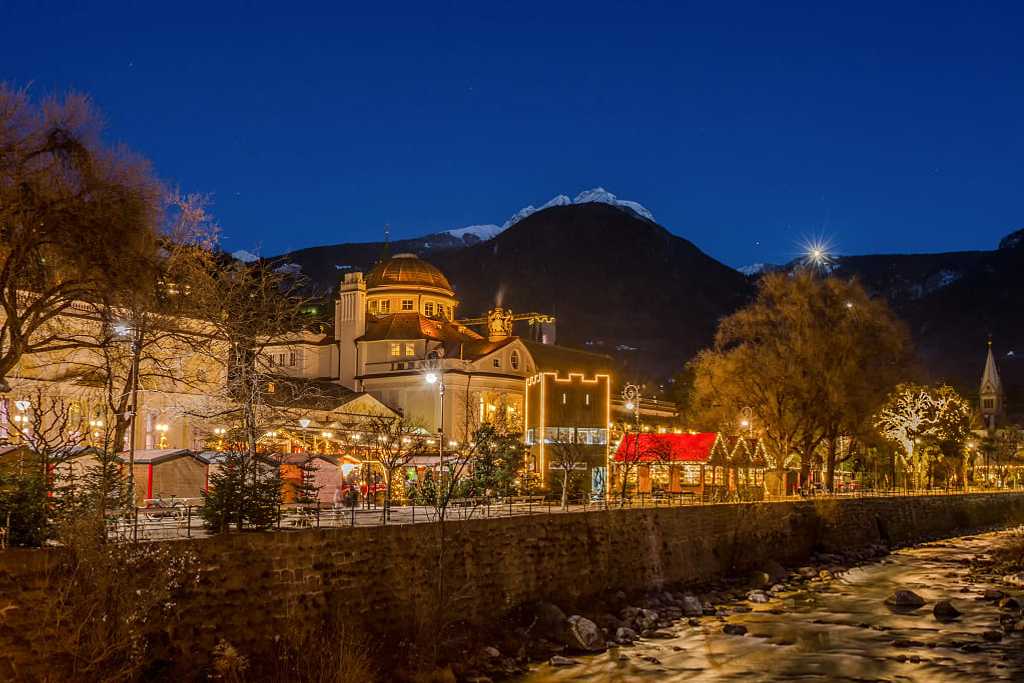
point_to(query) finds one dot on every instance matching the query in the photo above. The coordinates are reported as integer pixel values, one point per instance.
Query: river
(840, 630)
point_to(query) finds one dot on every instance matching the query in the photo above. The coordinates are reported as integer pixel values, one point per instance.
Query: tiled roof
(309, 394)
(404, 326)
(158, 455)
(474, 350)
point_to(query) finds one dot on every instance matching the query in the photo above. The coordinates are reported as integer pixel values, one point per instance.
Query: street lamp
(433, 377)
(631, 395)
(125, 330)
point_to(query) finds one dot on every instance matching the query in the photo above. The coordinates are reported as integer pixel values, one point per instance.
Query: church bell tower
(991, 391)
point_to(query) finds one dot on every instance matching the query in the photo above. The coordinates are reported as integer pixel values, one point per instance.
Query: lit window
(271, 388)
(396, 350)
(280, 359)
(496, 362)
(564, 398)
(407, 304)
(410, 349)
(373, 307)
(587, 400)
(529, 437)
(291, 359)
(385, 306)
(513, 360)
(428, 308)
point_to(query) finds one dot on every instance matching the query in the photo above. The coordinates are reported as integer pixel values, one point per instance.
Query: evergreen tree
(243, 493)
(23, 504)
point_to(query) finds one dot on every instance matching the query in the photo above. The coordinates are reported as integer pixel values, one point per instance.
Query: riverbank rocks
(625, 635)
(734, 630)
(1009, 602)
(758, 596)
(692, 606)
(1015, 579)
(945, 611)
(558, 660)
(993, 595)
(992, 636)
(583, 635)
(905, 600)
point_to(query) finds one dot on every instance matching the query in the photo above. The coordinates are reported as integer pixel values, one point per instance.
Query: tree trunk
(565, 490)
(830, 466)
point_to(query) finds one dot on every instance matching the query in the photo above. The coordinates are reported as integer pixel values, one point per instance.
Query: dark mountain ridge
(622, 284)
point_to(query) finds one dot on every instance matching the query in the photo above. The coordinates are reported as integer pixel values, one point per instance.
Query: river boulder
(905, 600)
(734, 630)
(562, 661)
(775, 571)
(549, 620)
(625, 635)
(692, 606)
(583, 635)
(945, 611)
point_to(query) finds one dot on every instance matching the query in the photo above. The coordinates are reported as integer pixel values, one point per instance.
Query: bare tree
(75, 217)
(392, 444)
(568, 457)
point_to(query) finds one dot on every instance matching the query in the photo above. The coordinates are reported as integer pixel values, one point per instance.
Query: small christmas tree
(243, 493)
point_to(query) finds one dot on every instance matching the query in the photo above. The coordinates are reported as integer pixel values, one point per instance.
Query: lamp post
(436, 377)
(631, 395)
(124, 330)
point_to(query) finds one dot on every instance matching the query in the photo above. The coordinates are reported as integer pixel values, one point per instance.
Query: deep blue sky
(894, 127)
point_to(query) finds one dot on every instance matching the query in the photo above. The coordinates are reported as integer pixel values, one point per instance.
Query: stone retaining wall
(383, 579)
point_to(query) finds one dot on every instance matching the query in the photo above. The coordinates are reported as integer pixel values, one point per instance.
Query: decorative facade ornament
(499, 324)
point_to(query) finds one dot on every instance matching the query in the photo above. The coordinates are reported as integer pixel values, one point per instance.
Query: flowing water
(835, 631)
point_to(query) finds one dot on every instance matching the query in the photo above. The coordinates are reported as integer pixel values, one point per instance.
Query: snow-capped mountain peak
(602, 196)
(597, 194)
(482, 232)
(755, 268)
(244, 256)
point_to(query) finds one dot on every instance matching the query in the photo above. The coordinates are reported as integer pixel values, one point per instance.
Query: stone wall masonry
(383, 579)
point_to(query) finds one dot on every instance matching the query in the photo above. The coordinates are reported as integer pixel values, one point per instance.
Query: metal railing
(185, 521)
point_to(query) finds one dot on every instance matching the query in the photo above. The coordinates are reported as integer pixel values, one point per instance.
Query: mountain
(617, 282)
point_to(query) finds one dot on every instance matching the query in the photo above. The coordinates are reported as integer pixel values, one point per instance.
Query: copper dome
(409, 271)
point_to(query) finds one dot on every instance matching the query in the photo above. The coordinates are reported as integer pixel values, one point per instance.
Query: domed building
(406, 283)
(399, 340)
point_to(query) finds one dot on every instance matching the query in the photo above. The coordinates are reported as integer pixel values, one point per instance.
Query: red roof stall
(692, 463)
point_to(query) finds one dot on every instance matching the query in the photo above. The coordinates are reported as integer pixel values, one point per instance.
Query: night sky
(745, 128)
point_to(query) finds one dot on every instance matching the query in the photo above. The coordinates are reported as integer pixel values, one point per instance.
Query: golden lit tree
(812, 357)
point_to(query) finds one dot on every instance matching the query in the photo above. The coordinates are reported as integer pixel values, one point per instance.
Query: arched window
(513, 359)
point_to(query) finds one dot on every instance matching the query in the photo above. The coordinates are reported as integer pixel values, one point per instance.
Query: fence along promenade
(184, 520)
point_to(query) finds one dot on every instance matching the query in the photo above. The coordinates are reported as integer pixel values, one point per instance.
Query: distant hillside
(953, 302)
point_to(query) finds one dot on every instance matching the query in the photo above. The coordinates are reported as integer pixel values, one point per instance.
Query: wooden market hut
(167, 473)
(669, 463)
(707, 464)
(324, 472)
